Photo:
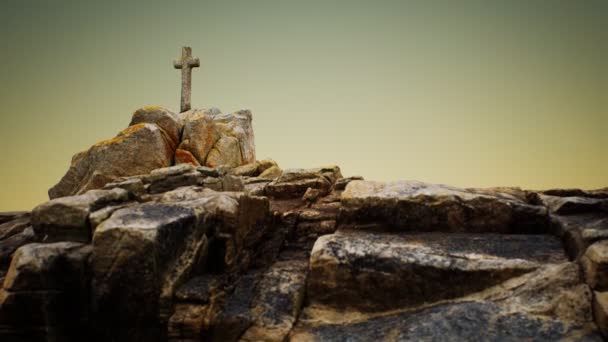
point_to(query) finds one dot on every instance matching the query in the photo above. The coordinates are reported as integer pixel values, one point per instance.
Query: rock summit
(173, 231)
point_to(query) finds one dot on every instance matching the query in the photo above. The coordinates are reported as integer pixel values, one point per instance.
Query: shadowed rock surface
(173, 231)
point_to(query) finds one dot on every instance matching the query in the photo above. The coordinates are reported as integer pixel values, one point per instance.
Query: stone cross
(186, 63)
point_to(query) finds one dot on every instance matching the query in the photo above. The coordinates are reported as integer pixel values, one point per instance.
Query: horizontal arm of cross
(194, 62)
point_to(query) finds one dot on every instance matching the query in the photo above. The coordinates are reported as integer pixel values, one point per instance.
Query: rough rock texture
(67, 218)
(253, 253)
(367, 271)
(137, 150)
(216, 139)
(417, 206)
(156, 138)
(174, 232)
(45, 293)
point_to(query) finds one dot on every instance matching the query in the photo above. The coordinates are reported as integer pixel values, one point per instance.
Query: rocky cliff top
(173, 231)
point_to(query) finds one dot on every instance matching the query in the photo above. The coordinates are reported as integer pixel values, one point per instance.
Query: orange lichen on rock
(185, 157)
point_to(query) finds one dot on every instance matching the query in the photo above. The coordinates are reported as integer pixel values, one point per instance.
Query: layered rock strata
(172, 231)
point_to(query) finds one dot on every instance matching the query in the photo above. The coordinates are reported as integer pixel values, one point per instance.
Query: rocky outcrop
(417, 206)
(158, 138)
(172, 231)
(67, 218)
(216, 139)
(45, 293)
(227, 254)
(367, 271)
(138, 149)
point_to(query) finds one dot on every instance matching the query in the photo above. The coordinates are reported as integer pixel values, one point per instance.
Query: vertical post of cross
(186, 63)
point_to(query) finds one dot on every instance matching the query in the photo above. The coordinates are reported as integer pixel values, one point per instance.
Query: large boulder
(166, 120)
(45, 293)
(216, 139)
(418, 206)
(371, 271)
(136, 150)
(546, 304)
(138, 246)
(595, 265)
(155, 247)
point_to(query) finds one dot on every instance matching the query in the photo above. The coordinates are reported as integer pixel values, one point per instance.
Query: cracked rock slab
(375, 272)
(418, 206)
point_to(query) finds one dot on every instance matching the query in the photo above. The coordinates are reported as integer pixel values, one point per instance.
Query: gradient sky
(469, 93)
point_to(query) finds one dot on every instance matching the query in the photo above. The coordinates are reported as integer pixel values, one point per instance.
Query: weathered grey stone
(238, 125)
(579, 231)
(600, 311)
(67, 218)
(16, 226)
(266, 164)
(174, 182)
(248, 170)
(417, 206)
(163, 173)
(294, 182)
(341, 183)
(198, 289)
(219, 139)
(208, 172)
(598, 193)
(139, 246)
(271, 173)
(134, 151)
(316, 215)
(595, 265)
(467, 321)
(135, 186)
(386, 271)
(9, 245)
(199, 133)
(98, 216)
(573, 205)
(311, 195)
(12, 215)
(212, 183)
(232, 183)
(156, 247)
(236, 314)
(161, 117)
(45, 293)
(549, 303)
(257, 188)
(226, 151)
(52, 266)
(277, 302)
(186, 63)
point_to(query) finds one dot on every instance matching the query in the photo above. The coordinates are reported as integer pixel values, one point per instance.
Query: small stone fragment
(271, 172)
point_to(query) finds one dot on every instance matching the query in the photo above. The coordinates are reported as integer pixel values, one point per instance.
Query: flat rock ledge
(217, 248)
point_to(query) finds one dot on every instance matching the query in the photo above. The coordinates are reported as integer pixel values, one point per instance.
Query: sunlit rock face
(173, 231)
(156, 138)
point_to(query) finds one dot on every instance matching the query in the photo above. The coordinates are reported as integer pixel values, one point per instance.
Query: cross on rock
(186, 63)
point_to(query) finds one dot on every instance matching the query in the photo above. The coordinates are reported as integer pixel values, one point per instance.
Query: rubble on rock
(216, 246)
